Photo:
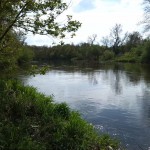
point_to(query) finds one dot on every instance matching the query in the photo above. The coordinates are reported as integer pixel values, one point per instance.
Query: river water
(114, 98)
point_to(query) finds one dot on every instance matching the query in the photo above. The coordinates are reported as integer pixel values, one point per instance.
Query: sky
(97, 17)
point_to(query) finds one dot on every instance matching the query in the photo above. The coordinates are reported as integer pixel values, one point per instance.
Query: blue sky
(89, 4)
(84, 5)
(97, 17)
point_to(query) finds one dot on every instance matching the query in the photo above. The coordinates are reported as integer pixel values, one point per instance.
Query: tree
(105, 41)
(146, 53)
(134, 39)
(37, 17)
(92, 39)
(34, 16)
(116, 37)
(10, 50)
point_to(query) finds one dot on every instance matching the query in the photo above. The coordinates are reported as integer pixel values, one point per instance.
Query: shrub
(146, 53)
(108, 55)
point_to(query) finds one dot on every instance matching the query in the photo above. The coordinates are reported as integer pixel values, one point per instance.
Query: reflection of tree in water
(135, 79)
(92, 76)
(114, 76)
(136, 72)
(146, 106)
(146, 73)
(133, 73)
(117, 81)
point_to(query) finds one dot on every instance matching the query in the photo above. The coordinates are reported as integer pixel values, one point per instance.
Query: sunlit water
(115, 99)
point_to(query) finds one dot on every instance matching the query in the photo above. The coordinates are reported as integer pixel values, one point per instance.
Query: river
(114, 98)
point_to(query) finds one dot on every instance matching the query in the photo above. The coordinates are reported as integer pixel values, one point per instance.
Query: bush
(145, 58)
(108, 55)
(132, 56)
(128, 57)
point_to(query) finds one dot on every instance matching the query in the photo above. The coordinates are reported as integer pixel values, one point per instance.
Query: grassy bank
(30, 120)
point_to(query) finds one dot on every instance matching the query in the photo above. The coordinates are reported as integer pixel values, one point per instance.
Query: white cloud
(101, 19)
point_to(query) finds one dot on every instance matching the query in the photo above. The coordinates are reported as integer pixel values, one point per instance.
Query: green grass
(30, 120)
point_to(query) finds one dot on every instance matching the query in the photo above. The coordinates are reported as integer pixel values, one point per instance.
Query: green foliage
(107, 55)
(133, 40)
(30, 120)
(13, 52)
(69, 52)
(135, 51)
(132, 56)
(105, 139)
(26, 55)
(138, 54)
(145, 58)
(62, 110)
(128, 57)
(10, 50)
(17, 14)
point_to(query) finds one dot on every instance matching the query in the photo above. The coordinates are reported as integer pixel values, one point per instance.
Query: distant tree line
(127, 47)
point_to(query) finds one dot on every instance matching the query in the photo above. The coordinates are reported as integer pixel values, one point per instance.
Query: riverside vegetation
(30, 120)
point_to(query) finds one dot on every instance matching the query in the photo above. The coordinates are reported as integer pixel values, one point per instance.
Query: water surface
(114, 98)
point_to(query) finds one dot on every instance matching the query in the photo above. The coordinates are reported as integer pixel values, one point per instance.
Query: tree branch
(13, 22)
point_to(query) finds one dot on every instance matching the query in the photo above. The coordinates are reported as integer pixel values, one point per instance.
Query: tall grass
(30, 120)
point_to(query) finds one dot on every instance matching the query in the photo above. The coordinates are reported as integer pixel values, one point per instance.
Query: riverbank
(30, 120)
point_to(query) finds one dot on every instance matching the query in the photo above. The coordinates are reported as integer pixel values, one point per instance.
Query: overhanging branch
(13, 22)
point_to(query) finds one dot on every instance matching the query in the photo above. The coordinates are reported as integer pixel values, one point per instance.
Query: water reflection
(146, 107)
(115, 98)
(92, 78)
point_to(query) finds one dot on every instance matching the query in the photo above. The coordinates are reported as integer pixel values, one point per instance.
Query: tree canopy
(35, 16)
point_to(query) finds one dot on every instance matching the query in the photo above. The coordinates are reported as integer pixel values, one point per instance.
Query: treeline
(83, 51)
(128, 47)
